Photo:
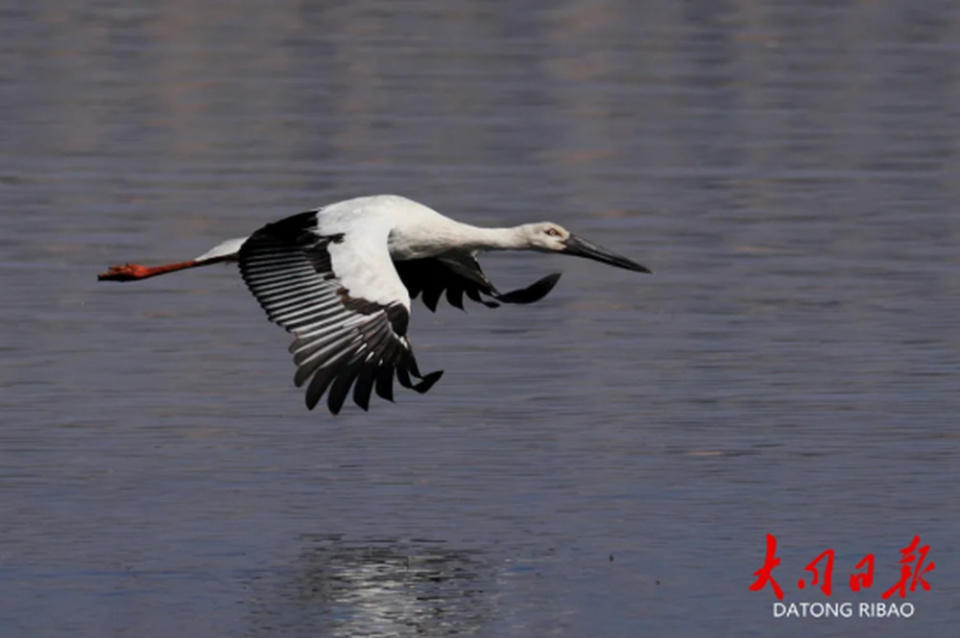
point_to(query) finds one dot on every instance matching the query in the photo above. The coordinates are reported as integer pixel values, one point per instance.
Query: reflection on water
(377, 587)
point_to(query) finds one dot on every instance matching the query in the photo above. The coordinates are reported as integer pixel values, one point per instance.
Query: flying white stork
(340, 279)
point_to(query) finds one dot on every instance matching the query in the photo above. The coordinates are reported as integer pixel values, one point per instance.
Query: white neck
(476, 238)
(412, 243)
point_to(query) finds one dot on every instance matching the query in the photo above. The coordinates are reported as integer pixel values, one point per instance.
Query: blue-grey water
(606, 462)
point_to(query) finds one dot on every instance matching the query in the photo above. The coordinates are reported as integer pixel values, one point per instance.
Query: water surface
(605, 462)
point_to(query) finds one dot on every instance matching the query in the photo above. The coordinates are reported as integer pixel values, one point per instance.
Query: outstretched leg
(226, 251)
(132, 272)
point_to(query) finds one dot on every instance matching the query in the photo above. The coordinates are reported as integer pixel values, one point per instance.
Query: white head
(546, 236)
(554, 238)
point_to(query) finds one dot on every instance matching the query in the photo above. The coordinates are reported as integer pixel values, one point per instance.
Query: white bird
(340, 279)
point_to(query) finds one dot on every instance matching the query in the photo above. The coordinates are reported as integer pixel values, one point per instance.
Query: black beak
(582, 248)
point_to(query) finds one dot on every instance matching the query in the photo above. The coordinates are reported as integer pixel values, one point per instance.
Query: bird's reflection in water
(378, 588)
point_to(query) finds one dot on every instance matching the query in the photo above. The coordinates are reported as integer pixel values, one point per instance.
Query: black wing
(340, 339)
(433, 276)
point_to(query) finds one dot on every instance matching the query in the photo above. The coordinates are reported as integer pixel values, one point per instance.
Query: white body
(407, 229)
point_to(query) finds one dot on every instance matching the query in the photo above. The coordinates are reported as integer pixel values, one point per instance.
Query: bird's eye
(553, 232)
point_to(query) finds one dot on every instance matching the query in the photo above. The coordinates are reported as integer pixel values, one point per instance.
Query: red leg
(132, 272)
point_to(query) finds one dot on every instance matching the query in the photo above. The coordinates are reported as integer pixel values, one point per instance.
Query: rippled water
(605, 462)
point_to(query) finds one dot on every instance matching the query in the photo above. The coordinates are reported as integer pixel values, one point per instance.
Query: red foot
(126, 272)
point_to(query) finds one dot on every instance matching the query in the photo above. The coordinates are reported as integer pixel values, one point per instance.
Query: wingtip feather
(427, 382)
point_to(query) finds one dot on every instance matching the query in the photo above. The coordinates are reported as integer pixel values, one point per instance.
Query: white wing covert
(340, 296)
